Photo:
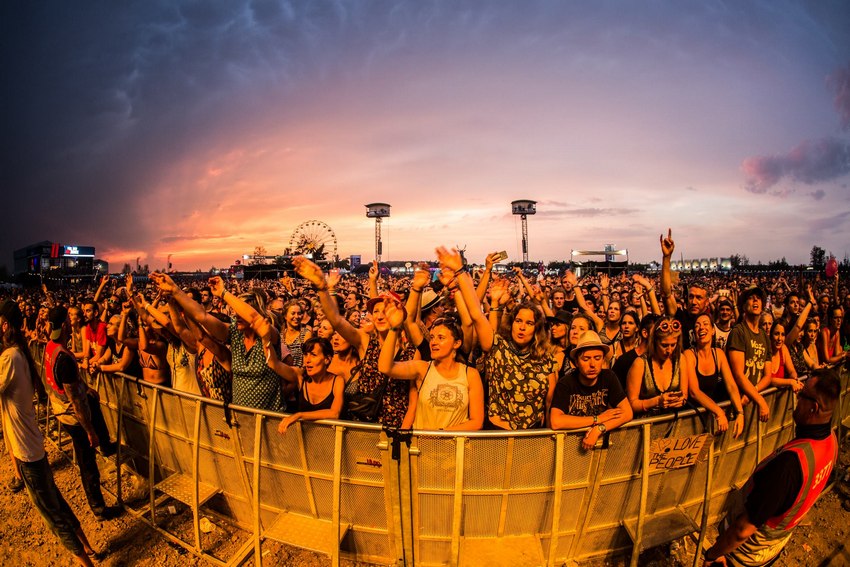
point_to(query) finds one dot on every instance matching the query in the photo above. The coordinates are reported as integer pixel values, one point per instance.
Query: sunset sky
(203, 129)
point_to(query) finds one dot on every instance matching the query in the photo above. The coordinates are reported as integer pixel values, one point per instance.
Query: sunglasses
(667, 326)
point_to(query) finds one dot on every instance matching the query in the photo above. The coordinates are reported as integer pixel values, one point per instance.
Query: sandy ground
(823, 539)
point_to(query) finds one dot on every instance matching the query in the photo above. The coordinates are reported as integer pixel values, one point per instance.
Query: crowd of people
(451, 347)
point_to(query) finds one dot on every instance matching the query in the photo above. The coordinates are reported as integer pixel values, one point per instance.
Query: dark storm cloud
(101, 98)
(811, 162)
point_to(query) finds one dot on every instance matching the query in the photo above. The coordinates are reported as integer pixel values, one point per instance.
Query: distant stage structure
(315, 238)
(523, 208)
(378, 211)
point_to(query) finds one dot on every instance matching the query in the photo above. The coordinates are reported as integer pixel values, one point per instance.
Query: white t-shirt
(443, 402)
(20, 427)
(182, 363)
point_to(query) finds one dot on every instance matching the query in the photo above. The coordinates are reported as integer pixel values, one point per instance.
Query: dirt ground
(822, 540)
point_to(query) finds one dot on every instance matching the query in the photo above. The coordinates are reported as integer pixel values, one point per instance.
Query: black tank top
(711, 384)
(304, 404)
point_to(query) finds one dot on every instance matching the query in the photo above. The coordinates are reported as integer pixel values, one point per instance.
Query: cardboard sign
(667, 454)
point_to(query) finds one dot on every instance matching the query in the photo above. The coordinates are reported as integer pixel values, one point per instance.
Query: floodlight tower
(378, 211)
(523, 208)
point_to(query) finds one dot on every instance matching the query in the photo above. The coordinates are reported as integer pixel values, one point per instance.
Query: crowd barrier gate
(433, 498)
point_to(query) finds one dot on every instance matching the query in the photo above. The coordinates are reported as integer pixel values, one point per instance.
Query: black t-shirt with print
(574, 398)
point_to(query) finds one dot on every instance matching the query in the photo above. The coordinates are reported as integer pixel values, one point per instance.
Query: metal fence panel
(508, 483)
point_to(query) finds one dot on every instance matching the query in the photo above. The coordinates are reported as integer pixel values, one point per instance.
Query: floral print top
(518, 385)
(394, 406)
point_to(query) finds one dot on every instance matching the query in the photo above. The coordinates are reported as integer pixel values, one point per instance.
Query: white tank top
(443, 402)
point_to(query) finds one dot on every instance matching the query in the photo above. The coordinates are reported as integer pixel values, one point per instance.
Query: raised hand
(491, 259)
(310, 271)
(374, 272)
(393, 313)
(667, 244)
(500, 292)
(449, 259)
(163, 282)
(421, 278)
(333, 279)
(216, 286)
(446, 276)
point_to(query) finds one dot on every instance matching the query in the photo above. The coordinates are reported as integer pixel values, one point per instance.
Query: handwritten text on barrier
(666, 454)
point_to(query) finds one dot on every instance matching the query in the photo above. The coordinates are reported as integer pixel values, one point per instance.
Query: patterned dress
(518, 385)
(396, 395)
(295, 347)
(255, 384)
(215, 380)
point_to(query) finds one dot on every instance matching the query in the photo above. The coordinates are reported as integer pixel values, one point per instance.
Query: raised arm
(103, 282)
(667, 248)
(453, 261)
(794, 332)
(489, 262)
(218, 329)
(597, 322)
(421, 277)
(604, 285)
(374, 273)
(259, 324)
(178, 324)
(133, 343)
(410, 370)
(465, 321)
(313, 273)
(648, 292)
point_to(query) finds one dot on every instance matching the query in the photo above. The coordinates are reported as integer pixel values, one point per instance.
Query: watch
(602, 428)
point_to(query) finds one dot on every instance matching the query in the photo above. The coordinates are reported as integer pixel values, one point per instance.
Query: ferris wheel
(314, 236)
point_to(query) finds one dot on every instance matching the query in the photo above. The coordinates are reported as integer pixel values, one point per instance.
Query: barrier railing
(428, 498)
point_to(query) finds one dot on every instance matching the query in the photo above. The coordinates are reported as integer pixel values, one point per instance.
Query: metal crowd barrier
(433, 498)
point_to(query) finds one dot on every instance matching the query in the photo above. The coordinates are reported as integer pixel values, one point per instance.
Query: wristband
(595, 419)
(415, 290)
(462, 270)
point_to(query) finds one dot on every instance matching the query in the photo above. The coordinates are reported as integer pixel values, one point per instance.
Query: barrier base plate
(308, 533)
(507, 551)
(179, 487)
(661, 528)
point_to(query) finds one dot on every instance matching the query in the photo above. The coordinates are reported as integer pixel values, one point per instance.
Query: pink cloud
(811, 162)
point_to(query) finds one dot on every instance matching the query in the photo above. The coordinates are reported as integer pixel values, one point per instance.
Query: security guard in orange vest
(784, 485)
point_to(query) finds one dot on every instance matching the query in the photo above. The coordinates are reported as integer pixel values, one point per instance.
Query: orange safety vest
(817, 457)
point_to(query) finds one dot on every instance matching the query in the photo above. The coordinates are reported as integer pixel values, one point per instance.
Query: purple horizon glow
(203, 130)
